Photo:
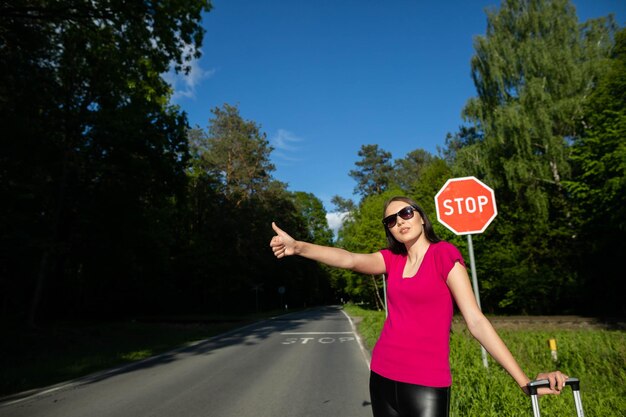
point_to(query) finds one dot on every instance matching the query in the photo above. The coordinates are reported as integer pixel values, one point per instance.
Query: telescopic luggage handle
(533, 386)
(544, 383)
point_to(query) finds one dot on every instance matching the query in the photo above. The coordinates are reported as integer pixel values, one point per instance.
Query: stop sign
(465, 205)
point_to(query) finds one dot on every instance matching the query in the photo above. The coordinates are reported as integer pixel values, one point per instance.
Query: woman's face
(405, 230)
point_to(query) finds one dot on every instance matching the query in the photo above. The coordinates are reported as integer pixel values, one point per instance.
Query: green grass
(35, 358)
(596, 356)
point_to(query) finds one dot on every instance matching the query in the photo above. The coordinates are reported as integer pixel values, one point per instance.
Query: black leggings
(398, 399)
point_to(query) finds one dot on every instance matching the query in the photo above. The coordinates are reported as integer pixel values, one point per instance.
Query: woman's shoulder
(389, 253)
(447, 250)
(445, 247)
(390, 256)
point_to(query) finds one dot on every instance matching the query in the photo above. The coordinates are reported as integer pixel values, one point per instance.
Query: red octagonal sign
(465, 205)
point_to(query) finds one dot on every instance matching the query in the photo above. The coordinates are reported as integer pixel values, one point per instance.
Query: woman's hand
(282, 244)
(557, 383)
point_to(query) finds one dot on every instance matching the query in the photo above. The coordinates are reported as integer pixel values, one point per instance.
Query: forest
(114, 207)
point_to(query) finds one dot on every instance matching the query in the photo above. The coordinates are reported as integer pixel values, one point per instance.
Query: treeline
(114, 207)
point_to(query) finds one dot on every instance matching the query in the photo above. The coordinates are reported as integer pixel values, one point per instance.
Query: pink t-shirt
(414, 345)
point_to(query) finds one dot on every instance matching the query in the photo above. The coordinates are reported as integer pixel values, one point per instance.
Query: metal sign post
(476, 293)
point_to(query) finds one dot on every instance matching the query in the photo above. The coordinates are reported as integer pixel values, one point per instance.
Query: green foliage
(519, 273)
(374, 173)
(238, 153)
(424, 189)
(92, 157)
(234, 199)
(427, 184)
(312, 210)
(532, 72)
(363, 232)
(409, 169)
(115, 206)
(600, 154)
(342, 205)
(599, 185)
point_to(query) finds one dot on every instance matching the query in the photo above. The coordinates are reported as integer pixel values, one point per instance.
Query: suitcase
(572, 382)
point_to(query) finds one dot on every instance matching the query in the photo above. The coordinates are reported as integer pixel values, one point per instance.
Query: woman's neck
(417, 249)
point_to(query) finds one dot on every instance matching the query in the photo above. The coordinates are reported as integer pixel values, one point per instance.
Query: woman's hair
(398, 248)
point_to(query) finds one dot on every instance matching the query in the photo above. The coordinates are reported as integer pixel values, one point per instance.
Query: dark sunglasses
(406, 213)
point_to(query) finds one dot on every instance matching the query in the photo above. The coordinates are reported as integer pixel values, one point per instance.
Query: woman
(410, 368)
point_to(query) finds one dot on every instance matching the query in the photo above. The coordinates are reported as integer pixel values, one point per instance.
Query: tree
(599, 183)
(314, 285)
(90, 141)
(363, 233)
(238, 153)
(343, 205)
(408, 169)
(466, 137)
(532, 71)
(600, 153)
(312, 210)
(230, 173)
(374, 173)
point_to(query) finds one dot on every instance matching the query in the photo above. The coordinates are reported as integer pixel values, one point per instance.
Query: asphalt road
(303, 364)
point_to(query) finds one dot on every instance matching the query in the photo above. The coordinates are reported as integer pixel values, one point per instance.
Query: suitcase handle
(541, 383)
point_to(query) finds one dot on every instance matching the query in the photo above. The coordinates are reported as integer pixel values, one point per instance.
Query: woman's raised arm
(283, 244)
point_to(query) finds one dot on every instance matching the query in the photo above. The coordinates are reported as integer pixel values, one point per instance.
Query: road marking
(366, 355)
(322, 340)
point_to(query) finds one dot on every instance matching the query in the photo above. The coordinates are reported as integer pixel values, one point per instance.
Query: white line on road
(364, 351)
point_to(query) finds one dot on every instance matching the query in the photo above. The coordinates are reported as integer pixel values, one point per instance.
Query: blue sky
(324, 77)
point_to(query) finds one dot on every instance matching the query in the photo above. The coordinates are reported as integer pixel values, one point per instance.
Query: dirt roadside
(547, 323)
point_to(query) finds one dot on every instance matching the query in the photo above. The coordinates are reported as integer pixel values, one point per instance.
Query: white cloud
(285, 140)
(185, 85)
(283, 156)
(285, 143)
(335, 221)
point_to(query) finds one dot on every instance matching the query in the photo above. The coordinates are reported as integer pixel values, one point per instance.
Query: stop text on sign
(465, 205)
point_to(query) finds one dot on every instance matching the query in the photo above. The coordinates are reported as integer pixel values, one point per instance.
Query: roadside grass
(36, 358)
(596, 356)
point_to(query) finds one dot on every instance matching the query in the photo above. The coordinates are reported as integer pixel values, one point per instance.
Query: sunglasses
(406, 213)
